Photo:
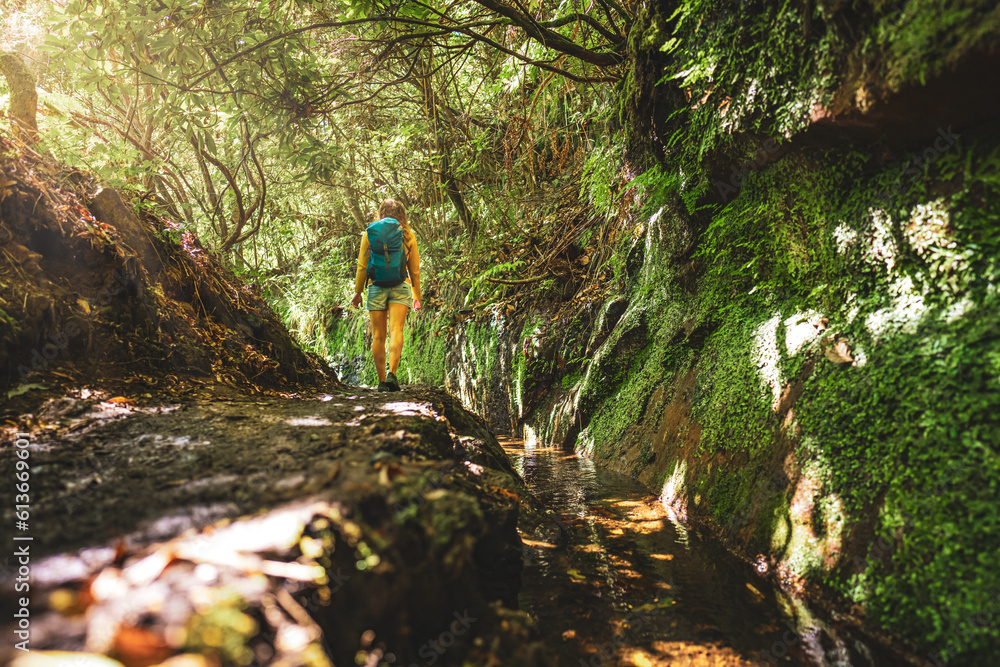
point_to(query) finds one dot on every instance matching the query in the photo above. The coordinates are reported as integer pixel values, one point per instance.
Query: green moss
(624, 408)
(897, 263)
(571, 379)
(423, 360)
(924, 37)
(223, 629)
(342, 342)
(913, 432)
(724, 493)
(452, 521)
(527, 367)
(773, 528)
(765, 69)
(733, 402)
(903, 268)
(484, 348)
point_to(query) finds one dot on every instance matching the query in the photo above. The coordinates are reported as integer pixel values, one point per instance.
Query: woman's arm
(413, 266)
(361, 277)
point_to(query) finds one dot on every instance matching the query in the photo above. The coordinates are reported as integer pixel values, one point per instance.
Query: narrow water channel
(613, 578)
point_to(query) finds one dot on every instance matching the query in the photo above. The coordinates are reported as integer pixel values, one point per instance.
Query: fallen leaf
(388, 472)
(148, 570)
(64, 601)
(23, 389)
(640, 660)
(500, 491)
(138, 647)
(837, 351)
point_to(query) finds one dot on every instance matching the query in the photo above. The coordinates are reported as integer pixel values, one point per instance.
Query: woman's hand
(416, 305)
(356, 301)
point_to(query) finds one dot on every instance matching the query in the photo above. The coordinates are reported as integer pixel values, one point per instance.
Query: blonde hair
(390, 208)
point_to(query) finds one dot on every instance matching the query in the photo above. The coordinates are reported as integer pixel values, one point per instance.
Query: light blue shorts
(379, 298)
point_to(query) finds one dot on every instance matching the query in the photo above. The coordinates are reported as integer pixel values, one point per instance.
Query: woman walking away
(390, 260)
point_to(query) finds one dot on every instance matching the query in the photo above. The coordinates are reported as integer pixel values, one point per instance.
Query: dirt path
(253, 530)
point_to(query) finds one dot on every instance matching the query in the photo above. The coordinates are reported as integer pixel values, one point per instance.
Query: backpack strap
(406, 259)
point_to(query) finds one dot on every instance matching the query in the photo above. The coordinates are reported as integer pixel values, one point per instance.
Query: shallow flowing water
(613, 578)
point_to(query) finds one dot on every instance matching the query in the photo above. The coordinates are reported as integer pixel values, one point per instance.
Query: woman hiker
(394, 271)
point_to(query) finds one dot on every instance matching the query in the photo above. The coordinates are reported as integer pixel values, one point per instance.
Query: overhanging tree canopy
(226, 105)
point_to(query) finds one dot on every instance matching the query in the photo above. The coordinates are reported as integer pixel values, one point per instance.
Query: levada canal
(612, 577)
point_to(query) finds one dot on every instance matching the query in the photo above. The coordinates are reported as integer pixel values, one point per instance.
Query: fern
(492, 272)
(600, 173)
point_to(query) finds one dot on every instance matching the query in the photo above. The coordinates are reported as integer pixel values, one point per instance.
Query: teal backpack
(387, 261)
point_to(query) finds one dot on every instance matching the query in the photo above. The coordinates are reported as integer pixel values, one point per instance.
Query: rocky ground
(263, 530)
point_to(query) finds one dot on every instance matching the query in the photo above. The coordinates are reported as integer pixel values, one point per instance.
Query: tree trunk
(23, 96)
(109, 208)
(352, 200)
(441, 146)
(455, 195)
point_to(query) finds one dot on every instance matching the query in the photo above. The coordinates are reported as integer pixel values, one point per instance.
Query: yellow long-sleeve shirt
(412, 265)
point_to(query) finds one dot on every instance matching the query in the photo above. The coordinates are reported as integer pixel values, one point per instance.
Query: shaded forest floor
(270, 531)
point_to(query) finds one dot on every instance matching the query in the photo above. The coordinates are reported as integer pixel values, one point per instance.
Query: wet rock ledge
(373, 529)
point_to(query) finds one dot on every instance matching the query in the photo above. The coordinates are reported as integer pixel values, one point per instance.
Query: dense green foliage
(273, 130)
(748, 260)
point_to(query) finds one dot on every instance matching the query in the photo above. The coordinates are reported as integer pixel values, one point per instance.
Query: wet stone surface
(360, 527)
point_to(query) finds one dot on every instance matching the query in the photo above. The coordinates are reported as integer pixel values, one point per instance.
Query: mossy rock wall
(811, 370)
(826, 394)
(809, 364)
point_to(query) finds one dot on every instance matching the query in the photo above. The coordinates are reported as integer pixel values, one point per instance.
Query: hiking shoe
(384, 386)
(392, 382)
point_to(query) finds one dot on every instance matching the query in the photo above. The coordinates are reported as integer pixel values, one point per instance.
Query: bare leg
(397, 317)
(378, 318)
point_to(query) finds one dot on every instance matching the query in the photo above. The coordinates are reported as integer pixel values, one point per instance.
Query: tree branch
(585, 18)
(547, 37)
(550, 38)
(236, 191)
(522, 281)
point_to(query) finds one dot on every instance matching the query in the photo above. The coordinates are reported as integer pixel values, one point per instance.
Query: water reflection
(614, 578)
